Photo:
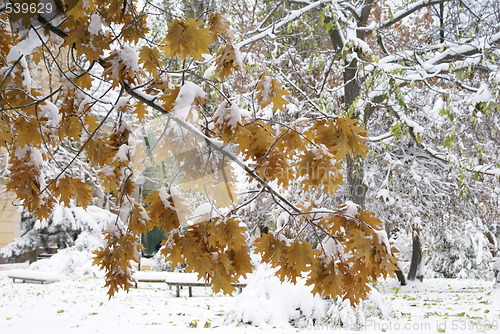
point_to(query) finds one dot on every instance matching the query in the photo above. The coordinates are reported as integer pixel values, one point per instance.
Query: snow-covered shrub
(496, 271)
(342, 315)
(159, 263)
(68, 227)
(68, 262)
(461, 253)
(266, 301)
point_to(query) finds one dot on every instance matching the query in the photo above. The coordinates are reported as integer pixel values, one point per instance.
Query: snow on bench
(178, 280)
(32, 276)
(10, 266)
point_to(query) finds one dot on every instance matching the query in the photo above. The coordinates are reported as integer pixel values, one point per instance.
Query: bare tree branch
(489, 169)
(214, 144)
(412, 9)
(291, 17)
(458, 52)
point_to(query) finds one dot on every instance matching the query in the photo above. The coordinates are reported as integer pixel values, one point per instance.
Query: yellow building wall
(9, 220)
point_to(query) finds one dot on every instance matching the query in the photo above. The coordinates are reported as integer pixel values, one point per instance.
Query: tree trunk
(355, 174)
(416, 258)
(351, 85)
(399, 273)
(355, 167)
(441, 22)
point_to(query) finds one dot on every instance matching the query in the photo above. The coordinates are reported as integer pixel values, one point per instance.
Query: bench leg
(177, 291)
(190, 291)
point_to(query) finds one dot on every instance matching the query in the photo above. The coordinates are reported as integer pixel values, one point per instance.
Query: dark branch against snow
(275, 27)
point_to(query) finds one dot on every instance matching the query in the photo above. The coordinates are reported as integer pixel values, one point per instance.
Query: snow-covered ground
(79, 304)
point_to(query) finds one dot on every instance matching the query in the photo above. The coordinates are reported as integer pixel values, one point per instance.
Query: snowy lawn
(80, 305)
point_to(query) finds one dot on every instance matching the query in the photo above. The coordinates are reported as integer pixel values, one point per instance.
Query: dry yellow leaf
(318, 167)
(82, 192)
(355, 136)
(170, 97)
(67, 187)
(148, 57)
(84, 81)
(254, 139)
(121, 248)
(187, 38)
(218, 24)
(138, 219)
(227, 60)
(215, 249)
(28, 131)
(99, 151)
(70, 127)
(341, 136)
(162, 211)
(325, 279)
(91, 122)
(140, 110)
(5, 134)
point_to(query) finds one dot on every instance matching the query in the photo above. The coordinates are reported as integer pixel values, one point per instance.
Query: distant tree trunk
(399, 273)
(416, 258)
(355, 167)
(441, 22)
(355, 175)
(197, 8)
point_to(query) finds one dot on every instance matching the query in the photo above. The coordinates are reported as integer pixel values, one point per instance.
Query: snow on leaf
(226, 119)
(189, 93)
(269, 91)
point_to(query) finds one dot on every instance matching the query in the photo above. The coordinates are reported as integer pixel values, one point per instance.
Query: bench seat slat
(177, 280)
(33, 276)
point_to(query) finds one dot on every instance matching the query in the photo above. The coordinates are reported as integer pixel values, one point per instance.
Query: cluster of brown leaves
(365, 256)
(314, 153)
(215, 249)
(31, 129)
(191, 38)
(122, 247)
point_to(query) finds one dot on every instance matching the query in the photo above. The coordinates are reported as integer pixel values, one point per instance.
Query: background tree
(397, 73)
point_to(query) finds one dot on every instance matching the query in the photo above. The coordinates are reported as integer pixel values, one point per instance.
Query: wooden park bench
(177, 280)
(31, 276)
